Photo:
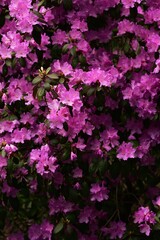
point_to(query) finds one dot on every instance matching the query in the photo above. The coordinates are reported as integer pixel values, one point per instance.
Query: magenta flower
(59, 205)
(98, 193)
(86, 215)
(44, 162)
(145, 218)
(144, 214)
(145, 228)
(43, 231)
(115, 230)
(126, 151)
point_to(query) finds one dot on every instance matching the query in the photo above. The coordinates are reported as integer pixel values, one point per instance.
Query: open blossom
(145, 218)
(87, 214)
(43, 231)
(145, 228)
(79, 88)
(110, 138)
(68, 97)
(10, 148)
(115, 230)
(60, 205)
(9, 191)
(130, 3)
(144, 214)
(126, 151)
(98, 193)
(44, 162)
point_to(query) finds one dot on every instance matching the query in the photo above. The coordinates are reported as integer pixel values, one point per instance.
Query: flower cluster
(79, 119)
(144, 217)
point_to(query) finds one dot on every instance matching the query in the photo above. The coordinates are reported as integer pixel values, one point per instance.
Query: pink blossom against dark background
(79, 119)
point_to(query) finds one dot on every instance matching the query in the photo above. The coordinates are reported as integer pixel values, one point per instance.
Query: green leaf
(48, 70)
(126, 47)
(156, 226)
(65, 48)
(47, 86)
(82, 59)
(14, 61)
(74, 62)
(3, 153)
(61, 80)
(37, 14)
(5, 70)
(53, 76)
(40, 93)
(41, 3)
(138, 50)
(8, 62)
(35, 89)
(73, 51)
(90, 91)
(22, 62)
(48, 80)
(58, 227)
(37, 80)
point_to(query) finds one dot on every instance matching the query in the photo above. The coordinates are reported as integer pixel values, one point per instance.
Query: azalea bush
(79, 119)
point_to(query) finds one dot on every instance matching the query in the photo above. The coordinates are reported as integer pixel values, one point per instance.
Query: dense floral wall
(79, 119)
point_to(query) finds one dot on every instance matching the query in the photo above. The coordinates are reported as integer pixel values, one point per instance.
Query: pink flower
(64, 68)
(3, 162)
(130, 3)
(126, 151)
(68, 97)
(98, 193)
(9, 191)
(140, 214)
(144, 217)
(46, 229)
(115, 230)
(10, 148)
(43, 231)
(19, 136)
(86, 215)
(44, 163)
(145, 228)
(59, 37)
(60, 205)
